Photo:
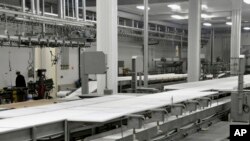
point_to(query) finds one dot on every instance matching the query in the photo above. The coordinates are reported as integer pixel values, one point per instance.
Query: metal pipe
(43, 7)
(134, 75)
(32, 6)
(37, 7)
(145, 43)
(60, 10)
(23, 5)
(44, 29)
(77, 9)
(73, 8)
(64, 9)
(212, 46)
(181, 47)
(84, 10)
(68, 8)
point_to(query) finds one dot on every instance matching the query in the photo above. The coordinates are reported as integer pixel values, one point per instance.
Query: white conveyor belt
(107, 108)
(60, 106)
(158, 77)
(229, 83)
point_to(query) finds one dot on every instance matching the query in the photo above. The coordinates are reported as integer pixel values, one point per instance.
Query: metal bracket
(158, 115)
(135, 121)
(204, 102)
(191, 105)
(177, 109)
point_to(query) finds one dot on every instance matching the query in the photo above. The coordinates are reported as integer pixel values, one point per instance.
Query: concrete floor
(217, 132)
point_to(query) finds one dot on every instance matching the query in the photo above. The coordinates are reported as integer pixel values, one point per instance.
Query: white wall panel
(18, 61)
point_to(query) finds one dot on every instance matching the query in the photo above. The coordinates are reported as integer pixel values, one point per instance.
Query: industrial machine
(13, 95)
(136, 78)
(240, 103)
(168, 65)
(92, 66)
(42, 87)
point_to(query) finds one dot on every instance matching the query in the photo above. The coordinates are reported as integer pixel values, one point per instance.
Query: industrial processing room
(124, 70)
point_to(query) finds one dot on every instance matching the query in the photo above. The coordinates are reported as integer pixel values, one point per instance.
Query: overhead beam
(135, 2)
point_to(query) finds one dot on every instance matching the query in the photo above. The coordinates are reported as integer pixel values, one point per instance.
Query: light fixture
(174, 7)
(229, 23)
(204, 7)
(207, 24)
(178, 17)
(247, 1)
(141, 7)
(246, 28)
(205, 16)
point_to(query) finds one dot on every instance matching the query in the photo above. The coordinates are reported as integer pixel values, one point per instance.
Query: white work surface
(107, 108)
(59, 106)
(229, 83)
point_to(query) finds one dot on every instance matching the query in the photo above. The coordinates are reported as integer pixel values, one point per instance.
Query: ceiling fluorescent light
(207, 24)
(205, 16)
(247, 1)
(178, 17)
(204, 7)
(174, 7)
(246, 28)
(229, 23)
(141, 7)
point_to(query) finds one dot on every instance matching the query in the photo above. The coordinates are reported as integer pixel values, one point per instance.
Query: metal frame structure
(172, 124)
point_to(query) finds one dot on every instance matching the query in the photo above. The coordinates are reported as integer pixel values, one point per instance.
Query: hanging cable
(10, 68)
(30, 67)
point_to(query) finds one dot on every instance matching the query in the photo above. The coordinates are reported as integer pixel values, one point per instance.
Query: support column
(77, 9)
(43, 7)
(60, 8)
(212, 46)
(84, 10)
(194, 36)
(145, 67)
(68, 8)
(64, 9)
(23, 5)
(73, 8)
(107, 41)
(32, 6)
(235, 35)
(38, 7)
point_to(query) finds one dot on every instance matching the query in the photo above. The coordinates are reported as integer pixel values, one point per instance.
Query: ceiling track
(43, 19)
(29, 42)
(124, 31)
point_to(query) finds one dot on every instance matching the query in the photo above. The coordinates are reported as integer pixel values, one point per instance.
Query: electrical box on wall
(93, 62)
